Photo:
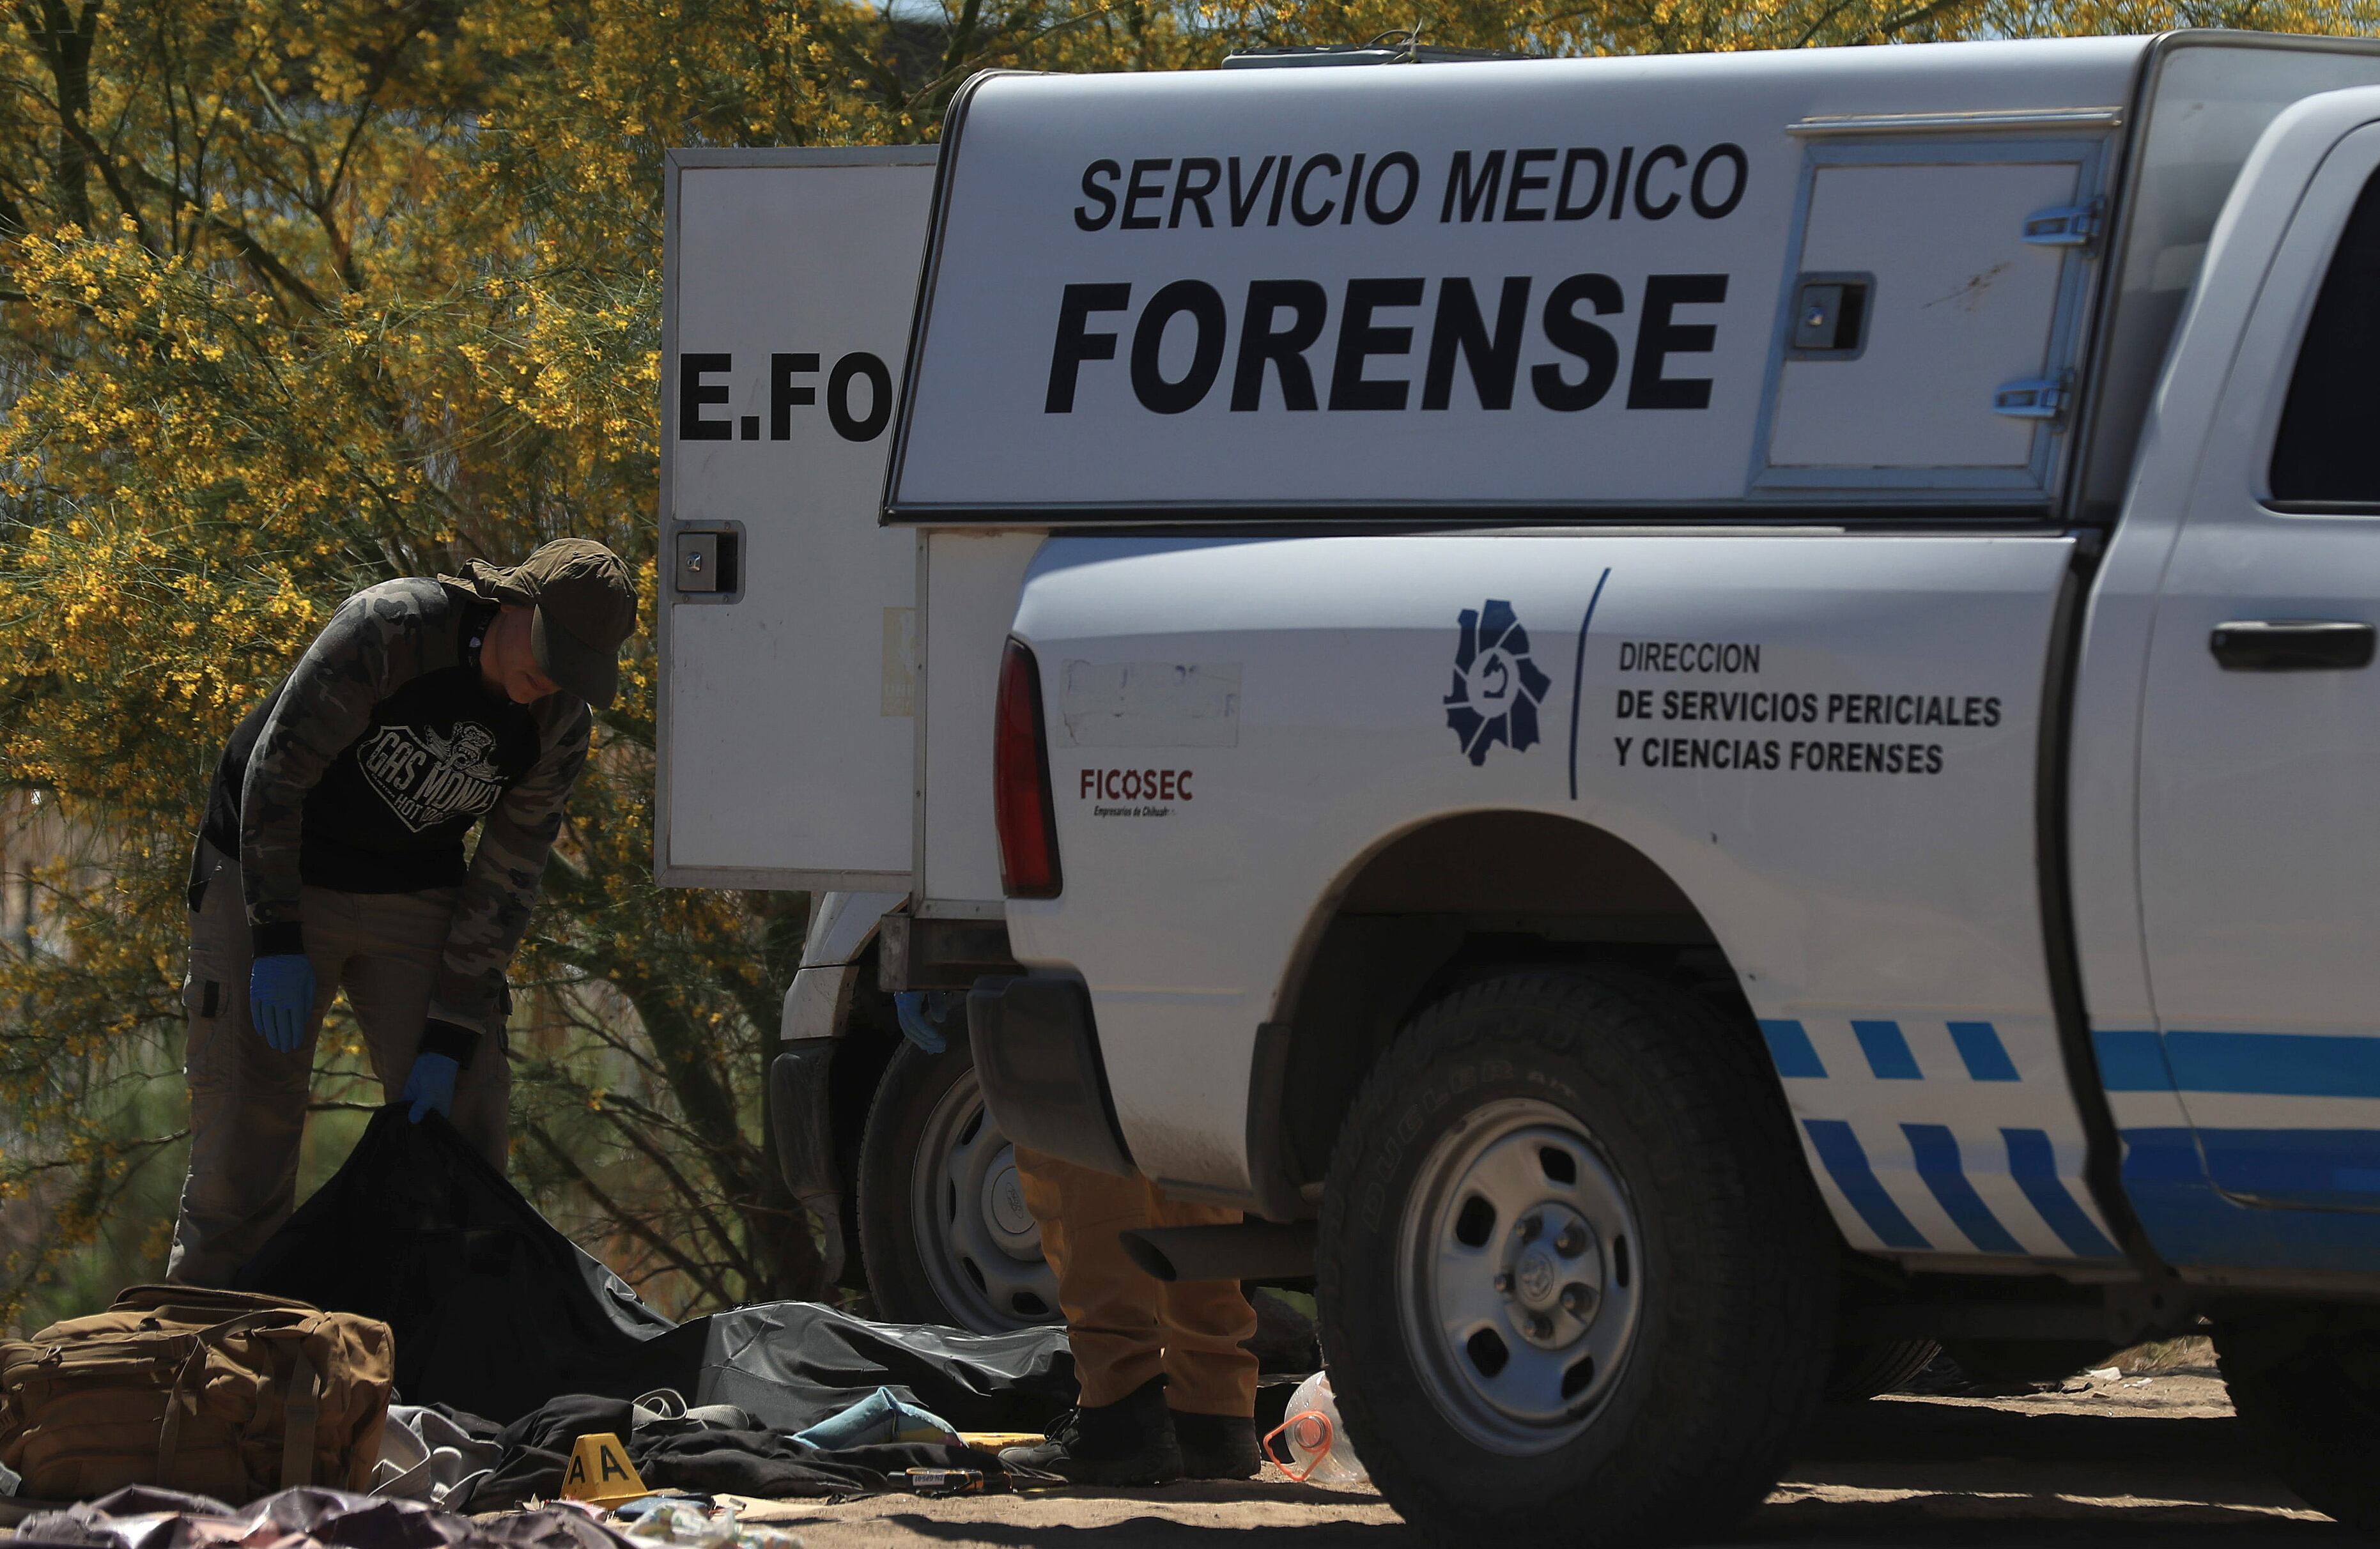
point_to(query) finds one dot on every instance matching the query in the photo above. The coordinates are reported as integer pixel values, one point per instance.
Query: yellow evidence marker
(599, 1472)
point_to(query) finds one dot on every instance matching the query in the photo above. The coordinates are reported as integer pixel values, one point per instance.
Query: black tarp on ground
(496, 1313)
(494, 1310)
(795, 1364)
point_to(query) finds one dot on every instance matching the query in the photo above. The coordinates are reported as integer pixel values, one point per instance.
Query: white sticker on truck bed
(1150, 703)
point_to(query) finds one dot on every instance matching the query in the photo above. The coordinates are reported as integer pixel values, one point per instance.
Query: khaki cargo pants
(1127, 1326)
(248, 1103)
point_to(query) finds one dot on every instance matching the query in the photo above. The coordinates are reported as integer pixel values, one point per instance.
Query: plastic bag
(1319, 1451)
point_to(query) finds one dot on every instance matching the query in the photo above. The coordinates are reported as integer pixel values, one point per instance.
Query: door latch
(2065, 225)
(2031, 398)
(704, 563)
(1830, 315)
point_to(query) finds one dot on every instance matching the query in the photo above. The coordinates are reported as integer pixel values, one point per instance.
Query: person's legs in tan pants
(1125, 1326)
(248, 1102)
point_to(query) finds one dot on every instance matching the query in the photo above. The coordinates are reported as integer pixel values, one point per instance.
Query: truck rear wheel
(1575, 1283)
(942, 1223)
(2306, 1384)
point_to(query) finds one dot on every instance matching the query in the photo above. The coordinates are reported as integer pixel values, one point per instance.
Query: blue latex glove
(430, 1086)
(922, 1013)
(280, 999)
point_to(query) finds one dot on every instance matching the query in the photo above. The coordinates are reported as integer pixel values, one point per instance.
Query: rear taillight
(1027, 820)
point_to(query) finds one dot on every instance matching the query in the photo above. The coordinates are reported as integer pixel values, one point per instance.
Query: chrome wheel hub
(980, 1245)
(1003, 1208)
(1553, 1277)
(1520, 1276)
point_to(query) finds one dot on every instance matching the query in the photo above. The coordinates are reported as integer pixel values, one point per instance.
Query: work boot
(1217, 1445)
(1128, 1442)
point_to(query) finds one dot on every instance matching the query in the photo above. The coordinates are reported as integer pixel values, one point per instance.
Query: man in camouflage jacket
(332, 857)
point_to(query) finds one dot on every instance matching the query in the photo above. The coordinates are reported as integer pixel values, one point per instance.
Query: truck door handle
(2290, 644)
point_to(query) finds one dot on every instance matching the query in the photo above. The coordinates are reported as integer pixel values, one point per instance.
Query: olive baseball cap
(585, 607)
(585, 611)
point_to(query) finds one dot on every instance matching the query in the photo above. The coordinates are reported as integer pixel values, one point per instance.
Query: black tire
(957, 1252)
(1640, 1108)
(1863, 1372)
(2306, 1386)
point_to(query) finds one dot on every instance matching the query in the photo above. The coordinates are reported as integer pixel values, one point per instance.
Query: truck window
(2326, 453)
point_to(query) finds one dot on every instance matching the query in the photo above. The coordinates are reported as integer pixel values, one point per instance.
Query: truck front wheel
(1575, 1283)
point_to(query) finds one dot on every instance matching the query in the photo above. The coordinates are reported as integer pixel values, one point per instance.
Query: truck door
(788, 616)
(2259, 779)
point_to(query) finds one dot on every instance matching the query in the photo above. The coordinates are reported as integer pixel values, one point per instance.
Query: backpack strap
(301, 1407)
(183, 1394)
(202, 1303)
(169, 1435)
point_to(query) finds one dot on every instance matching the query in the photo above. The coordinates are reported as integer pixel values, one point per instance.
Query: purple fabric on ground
(142, 1517)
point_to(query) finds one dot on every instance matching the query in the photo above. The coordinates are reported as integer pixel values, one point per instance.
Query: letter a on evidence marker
(599, 1472)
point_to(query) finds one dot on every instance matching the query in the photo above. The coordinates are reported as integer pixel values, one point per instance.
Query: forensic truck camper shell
(1756, 282)
(1711, 717)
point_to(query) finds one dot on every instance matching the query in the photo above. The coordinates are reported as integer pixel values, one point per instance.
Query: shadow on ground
(1228, 1520)
(1902, 1472)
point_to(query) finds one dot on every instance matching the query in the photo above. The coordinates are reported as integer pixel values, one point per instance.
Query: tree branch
(699, 1273)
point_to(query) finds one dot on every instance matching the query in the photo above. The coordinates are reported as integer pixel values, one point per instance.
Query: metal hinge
(2032, 397)
(2065, 225)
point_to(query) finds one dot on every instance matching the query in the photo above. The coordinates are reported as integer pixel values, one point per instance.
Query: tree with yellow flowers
(299, 294)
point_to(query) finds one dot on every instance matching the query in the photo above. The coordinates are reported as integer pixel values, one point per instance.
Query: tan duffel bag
(222, 1392)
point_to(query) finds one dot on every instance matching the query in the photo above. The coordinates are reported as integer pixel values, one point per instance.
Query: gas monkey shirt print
(426, 777)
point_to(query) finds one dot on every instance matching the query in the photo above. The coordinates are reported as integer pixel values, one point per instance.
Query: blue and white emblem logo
(1497, 688)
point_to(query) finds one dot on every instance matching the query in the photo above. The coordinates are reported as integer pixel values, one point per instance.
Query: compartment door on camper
(1933, 305)
(788, 620)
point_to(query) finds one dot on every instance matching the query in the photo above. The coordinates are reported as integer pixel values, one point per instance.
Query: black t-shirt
(392, 811)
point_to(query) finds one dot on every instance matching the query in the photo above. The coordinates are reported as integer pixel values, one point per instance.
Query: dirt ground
(2147, 1460)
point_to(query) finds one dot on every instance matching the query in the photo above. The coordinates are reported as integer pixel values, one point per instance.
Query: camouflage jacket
(329, 727)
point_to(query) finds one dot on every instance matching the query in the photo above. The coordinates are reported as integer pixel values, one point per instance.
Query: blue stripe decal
(2303, 1167)
(1847, 1164)
(1790, 1047)
(2275, 1064)
(2131, 1059)
(2192, 1224)
(2162, 1156)
(1980, 1046)
(1937, 1150)
(2033, 1164)
(1888, 1051)
(2262, 1064)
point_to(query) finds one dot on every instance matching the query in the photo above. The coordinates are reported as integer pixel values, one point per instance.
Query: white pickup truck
(1710, 717)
